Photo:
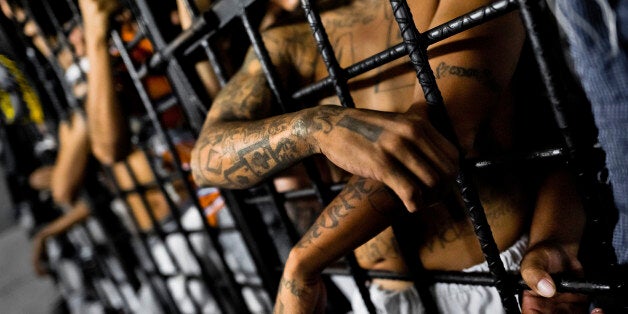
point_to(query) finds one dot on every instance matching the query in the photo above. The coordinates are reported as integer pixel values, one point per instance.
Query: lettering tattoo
(370, 131)
(448, 229)
(261, 159)
(253, 154)
(447, 232)
(356, 192)
(383, 246)
(483, 76)
(292, 286)
(321, 119)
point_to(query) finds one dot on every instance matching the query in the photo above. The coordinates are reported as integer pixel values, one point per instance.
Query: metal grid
(91, 247)
(168, 58)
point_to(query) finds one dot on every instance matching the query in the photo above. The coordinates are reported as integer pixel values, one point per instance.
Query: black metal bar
(102, 265)
(339, 79)
(217, 67)
(236, 302)
(156, 224)
(563, 283)
(598, 209)
(264, 58)
(166, 301)
(255, 234)
(436, 34)
(438, 115)
(203, 26)
(274, 83)
(336, 73)
(67, 90)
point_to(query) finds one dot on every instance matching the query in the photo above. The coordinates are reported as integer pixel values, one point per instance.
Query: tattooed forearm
(292, 286)
(362, 191)
(483, 76)
(279, 308)
(236, 154)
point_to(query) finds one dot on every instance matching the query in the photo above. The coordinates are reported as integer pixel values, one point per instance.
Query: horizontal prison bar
(202, 28)
(229, 299)
(563, 283)
(400, 49)
(438, 33)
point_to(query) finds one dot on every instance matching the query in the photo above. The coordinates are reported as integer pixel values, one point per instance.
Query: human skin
(388, 142)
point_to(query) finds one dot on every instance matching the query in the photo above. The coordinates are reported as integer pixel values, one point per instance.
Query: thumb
(534, 272)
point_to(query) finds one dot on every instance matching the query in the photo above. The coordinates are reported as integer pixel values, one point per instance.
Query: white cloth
(181, 288)
(450, 298)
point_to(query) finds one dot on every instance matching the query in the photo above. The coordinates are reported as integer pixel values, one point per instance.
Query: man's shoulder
(288, 33)
(292, 48)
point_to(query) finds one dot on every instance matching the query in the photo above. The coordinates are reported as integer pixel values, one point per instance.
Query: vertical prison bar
(95, 256)
(438, 115)
(174, 209)
(398, 51)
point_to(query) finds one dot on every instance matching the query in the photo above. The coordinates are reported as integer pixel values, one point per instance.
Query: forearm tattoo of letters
(292, 286)
(360, 192)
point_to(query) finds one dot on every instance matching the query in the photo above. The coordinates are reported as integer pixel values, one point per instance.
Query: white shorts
(450, 298)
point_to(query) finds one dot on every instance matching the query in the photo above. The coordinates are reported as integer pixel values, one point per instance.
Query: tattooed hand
(300, 296)
(402, 150)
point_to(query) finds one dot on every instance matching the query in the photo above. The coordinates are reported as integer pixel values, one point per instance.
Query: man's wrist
(299, 267)
(302, 128)
(312, 123)
(97, 27)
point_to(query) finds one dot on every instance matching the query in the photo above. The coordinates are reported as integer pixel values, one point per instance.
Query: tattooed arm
(237, 150)
(342, 226)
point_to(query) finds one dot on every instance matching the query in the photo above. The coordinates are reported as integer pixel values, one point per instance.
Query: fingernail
(545, 288)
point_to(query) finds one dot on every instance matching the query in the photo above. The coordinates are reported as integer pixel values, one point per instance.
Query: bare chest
(360, 31)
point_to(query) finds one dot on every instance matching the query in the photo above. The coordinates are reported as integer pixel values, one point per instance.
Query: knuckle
(393, 143)
(430, 179)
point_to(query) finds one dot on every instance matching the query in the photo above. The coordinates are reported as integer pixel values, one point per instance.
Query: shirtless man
(388, 141)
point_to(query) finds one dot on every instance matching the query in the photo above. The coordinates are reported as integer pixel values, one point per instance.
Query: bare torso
(366, 27)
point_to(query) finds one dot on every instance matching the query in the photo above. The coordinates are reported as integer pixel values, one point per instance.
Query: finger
(417, 141)
(597, 310)
(427, 158)
(535, 274)
(423, 170)
(404, 185)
